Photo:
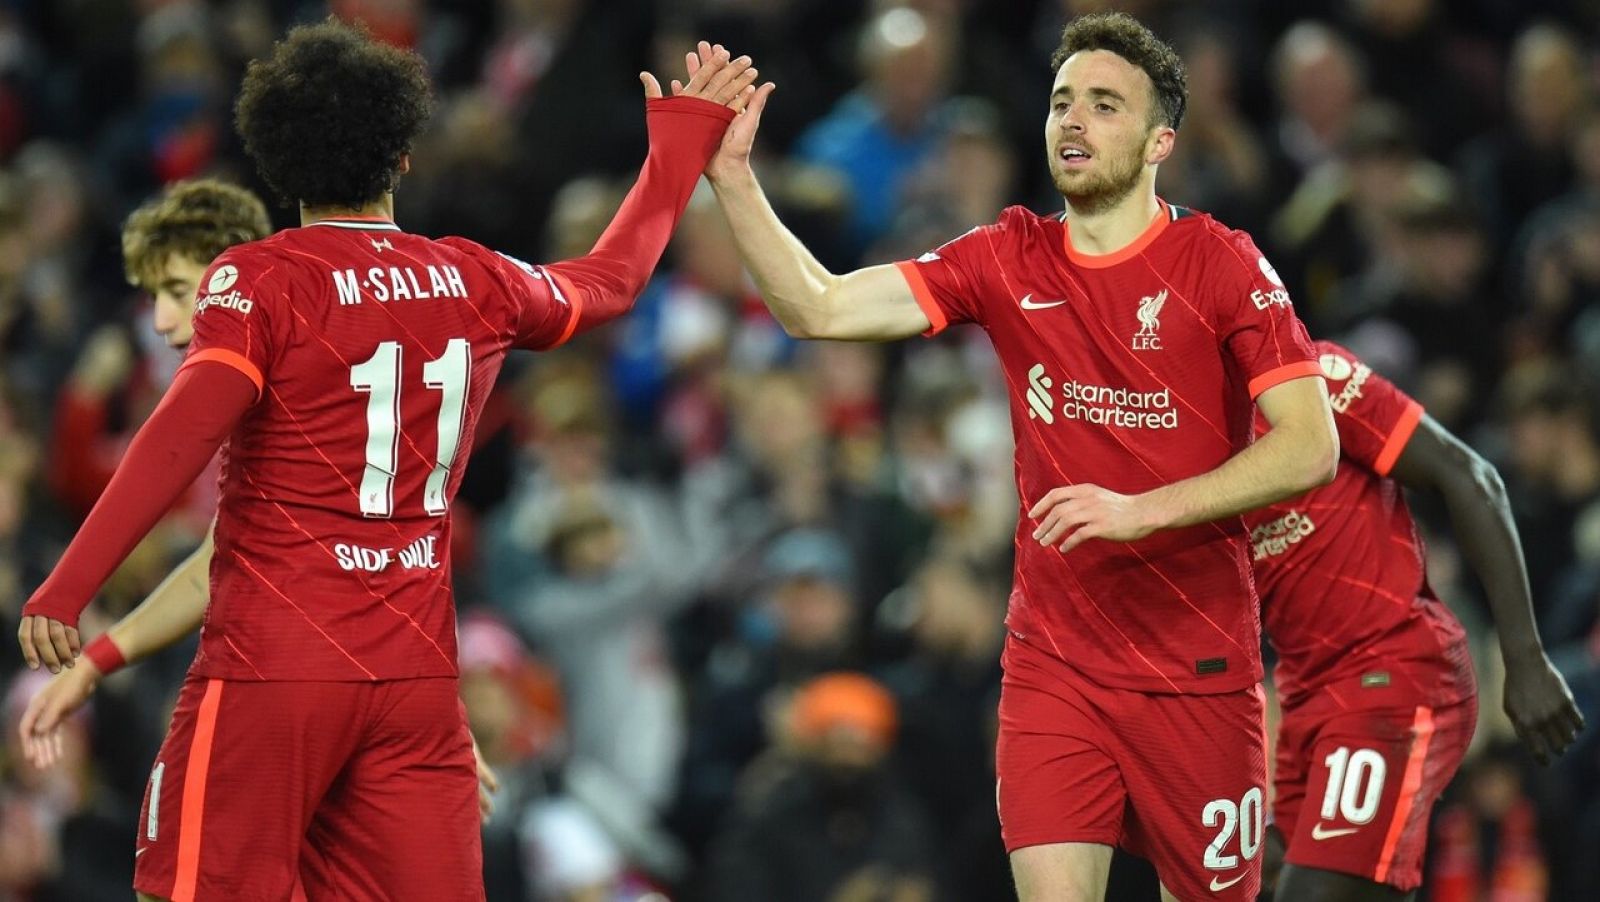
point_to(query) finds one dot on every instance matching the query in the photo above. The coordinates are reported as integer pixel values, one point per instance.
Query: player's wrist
(104, 655)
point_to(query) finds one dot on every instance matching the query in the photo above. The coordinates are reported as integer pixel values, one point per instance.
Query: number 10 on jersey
(378, 378)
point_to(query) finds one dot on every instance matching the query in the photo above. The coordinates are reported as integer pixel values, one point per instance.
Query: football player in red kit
(344, 364)
(1374, 677)
(1134, 335)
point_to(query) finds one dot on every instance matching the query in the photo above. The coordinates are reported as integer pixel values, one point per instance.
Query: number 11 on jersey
(378, 377)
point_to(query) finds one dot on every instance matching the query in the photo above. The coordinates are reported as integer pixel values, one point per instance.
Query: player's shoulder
(1208, 235)
(1324, 346)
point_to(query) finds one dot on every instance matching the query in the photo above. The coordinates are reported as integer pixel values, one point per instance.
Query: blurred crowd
(731, 605)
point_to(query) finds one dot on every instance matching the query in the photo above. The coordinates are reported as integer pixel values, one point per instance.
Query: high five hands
(714, 76)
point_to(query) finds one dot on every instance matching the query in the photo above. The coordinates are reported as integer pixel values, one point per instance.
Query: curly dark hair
(196, 219)
(328, 117)
(1127, 37)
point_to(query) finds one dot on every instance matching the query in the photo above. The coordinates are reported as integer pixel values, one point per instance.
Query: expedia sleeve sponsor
(222, 292)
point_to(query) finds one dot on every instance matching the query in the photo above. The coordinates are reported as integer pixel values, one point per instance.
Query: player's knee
(1061, 872)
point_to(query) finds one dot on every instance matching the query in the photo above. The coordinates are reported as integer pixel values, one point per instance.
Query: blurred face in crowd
(1319, 81)
(908, 62)
(1100, 133)
(814, 612)
(1547, 82)
(178, 279)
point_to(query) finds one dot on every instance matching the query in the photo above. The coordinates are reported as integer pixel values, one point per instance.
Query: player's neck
(1109, 231)
(382, 208)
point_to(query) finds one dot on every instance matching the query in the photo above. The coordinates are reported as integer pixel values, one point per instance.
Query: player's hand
(713, 76)
(1541, 708)
(488, 783)
(41, 721)
(49, 642)
(1271, 858)
(1073, 514)
(738, 141)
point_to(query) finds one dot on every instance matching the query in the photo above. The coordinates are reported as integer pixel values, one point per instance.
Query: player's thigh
(1055, 781)
(1196, 771)
(1061, 872)
(1304, 884)
(1372, 780)
(233, 787)
(402, 820)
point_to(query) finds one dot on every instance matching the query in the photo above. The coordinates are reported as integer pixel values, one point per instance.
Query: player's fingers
(738, 104)
(704, 52)
(1049, 500)
(719, 82)
(25, 640)
(736, 85)
(709, 68)
(677, 87)
(489, 780)
(58, 640)
(74, 641)
(652, 88)
(43, 645)
(1080, 536)
(691, 62)
(59, 744)
(759, 103)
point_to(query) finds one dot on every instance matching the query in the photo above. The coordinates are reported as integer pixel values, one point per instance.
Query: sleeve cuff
(919, 290)
(105, 655)
(693, 105)
(564, 291)
(230, 358)
(1403, 429)
(1296, 370)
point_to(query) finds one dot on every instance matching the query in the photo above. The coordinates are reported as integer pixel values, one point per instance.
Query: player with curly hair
(319, 738)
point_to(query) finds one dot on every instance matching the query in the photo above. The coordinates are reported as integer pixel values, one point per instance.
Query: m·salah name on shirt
(399, 283)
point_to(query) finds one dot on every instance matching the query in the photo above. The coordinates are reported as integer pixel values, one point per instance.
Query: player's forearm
(1289, 460)
(169, 452)
(796, 286)
(173, 610)
(684, 133)
(1481, 517)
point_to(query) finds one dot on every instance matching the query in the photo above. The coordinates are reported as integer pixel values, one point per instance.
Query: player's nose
(166, 316)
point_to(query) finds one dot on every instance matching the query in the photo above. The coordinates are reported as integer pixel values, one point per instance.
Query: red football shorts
(1358, 772)
(327, 790)
(1177, 779)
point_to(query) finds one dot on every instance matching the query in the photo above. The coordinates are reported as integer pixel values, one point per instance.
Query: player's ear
(1160, 145)
(405, 164)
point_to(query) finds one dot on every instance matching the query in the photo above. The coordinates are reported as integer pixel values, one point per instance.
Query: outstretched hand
(737, 142)
(713, 76)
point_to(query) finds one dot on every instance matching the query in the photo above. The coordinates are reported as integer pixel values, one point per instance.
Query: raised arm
(871, 304)
(684, 130)
(1537, 699)
(1299, 452)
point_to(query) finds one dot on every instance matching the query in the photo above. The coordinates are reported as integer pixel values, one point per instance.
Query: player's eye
(1105, 108)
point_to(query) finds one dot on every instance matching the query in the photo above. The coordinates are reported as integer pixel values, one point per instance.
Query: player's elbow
(1319, 457)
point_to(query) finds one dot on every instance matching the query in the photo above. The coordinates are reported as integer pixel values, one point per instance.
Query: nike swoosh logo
(1218, 884)
(1319, 833)
(1028, 303)
(138, 852)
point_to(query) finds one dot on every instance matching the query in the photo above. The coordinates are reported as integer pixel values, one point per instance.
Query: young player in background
(319, 736)
(1376, 684)
(1134, 335)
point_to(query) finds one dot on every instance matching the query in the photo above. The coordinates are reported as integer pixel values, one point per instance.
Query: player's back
(374, 350)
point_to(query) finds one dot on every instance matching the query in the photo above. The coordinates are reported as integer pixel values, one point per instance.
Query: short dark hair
(328, 117)
(1127, 37)
(196, 219)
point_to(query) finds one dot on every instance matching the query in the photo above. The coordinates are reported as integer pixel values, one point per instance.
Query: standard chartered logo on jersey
(1102, 405)
(1274, 538)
